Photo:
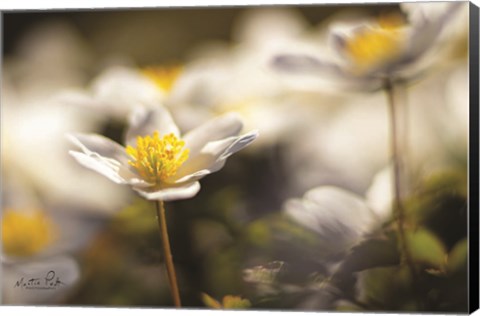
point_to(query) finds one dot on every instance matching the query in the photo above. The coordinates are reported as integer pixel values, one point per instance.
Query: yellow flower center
(163, 77)
(378, 44)
(26, 234)
(157, 159)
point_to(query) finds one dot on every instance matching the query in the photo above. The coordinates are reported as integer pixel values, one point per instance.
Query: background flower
(38, 238)
(33, 125)
(369, 51)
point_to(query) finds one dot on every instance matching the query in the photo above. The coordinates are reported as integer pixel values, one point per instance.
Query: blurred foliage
(228, 302)
(274, 263)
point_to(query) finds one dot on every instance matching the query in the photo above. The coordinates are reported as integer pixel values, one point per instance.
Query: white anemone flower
(341, 217)
(237, 76)
(33, 124)
(37, 246)
(368, 52)
(34, 149)
(157, 162)
(118, 89)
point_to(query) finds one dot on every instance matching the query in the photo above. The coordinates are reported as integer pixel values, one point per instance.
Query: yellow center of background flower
(163, 77)
(377, 44)
(157, 159)
(26, 233)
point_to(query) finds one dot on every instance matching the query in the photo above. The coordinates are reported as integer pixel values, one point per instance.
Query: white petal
(105, 157)
(380, 194)
(107, 168)
(115, 92)
(425, 32)
(145, 121)
(221, 127)
(337, 215)
(124, 85)
(103, 146)
(306, 64)
(340, 31)
(172, 193)
(309, 65)
(212, 157)
(79, 98)
(64, 268)
(297, 210)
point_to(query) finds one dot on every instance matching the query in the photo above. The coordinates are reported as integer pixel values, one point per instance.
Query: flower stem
(398, 173)
(172, 278)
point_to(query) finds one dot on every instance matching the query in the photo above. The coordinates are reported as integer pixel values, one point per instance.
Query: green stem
(172, 278)
(398, 175)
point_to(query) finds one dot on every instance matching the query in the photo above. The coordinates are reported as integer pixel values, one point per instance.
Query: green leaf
(210, 301)
(385, 288)
(457, 259)
(426, 248)
(259, 233)
(228, 302)
(235, 302)
(372, 253)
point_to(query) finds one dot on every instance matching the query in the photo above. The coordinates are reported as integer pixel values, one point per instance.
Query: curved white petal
(426, 31)
(16, 289)
(116, 91)
(337, 215)
(106, 167)
(340, 31)
(105, 157)
(102, 146)
(221, 127)
(124, 85)
(181, 192)
(309, 65)
(306, 64)
(212, 157)
(145, 121)
(79, 98)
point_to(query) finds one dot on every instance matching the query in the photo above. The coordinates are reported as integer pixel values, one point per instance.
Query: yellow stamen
(157, 159)
(378, 44)
(26, 233)
(163, 77)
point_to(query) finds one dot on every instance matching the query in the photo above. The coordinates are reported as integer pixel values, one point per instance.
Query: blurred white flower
(37, 248)
(118, 90)
(368, 52)
(350, 143)
(34, 148)
(342, 218)
(39, 242)
(157, 162)
(456, 119)
(51, 58)
(238, 77)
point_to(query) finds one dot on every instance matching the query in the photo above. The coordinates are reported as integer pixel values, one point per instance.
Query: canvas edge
(473, 275)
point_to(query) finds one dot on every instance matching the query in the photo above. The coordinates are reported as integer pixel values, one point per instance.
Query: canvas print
(299, 158)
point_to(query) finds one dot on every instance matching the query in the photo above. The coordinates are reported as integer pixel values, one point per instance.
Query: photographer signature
(49, 282)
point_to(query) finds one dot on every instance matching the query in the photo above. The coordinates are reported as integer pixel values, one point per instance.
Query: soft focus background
(246, 233)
